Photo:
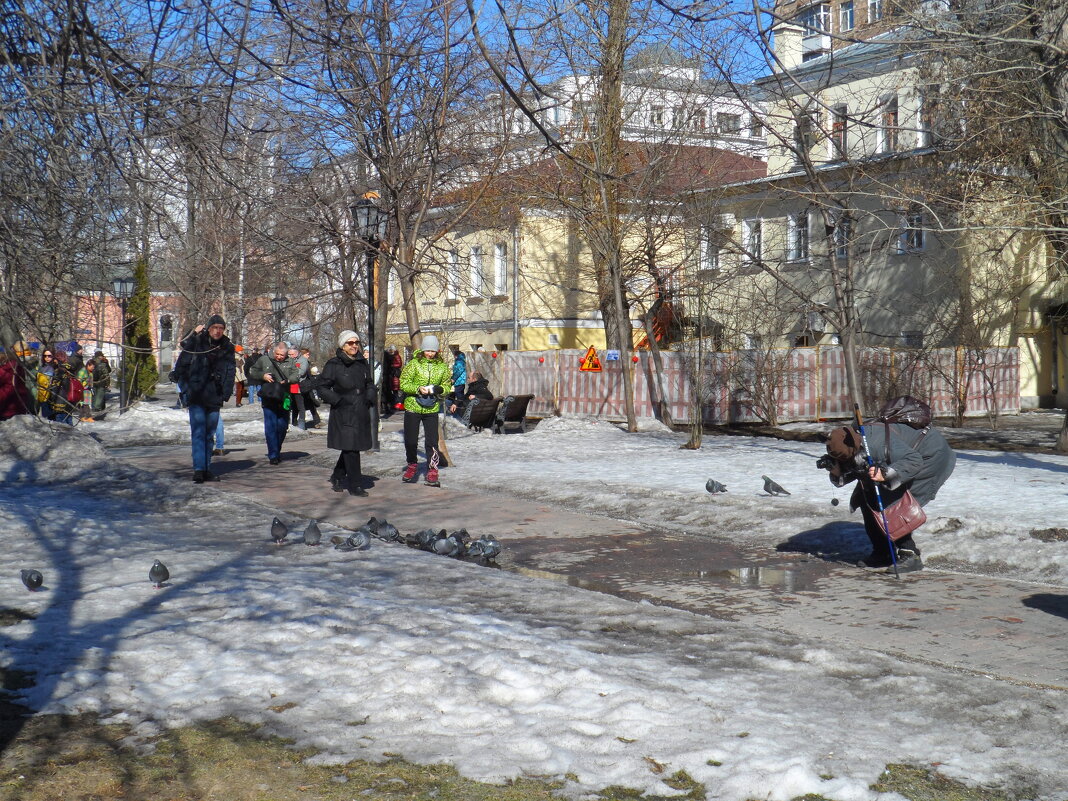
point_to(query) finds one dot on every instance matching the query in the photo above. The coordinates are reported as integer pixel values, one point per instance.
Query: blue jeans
(202, 425)
(275, 426)
(220, 435)
(253, 391)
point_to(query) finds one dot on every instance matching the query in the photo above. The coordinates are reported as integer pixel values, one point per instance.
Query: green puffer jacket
(420, 372)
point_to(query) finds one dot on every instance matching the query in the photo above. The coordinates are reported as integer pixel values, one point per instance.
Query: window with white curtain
(500, 269)
(478, 275)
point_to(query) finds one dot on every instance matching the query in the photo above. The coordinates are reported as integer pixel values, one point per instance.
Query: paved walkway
(1010, 630)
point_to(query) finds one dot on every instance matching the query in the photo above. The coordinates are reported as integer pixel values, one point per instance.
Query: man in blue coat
(205, 369)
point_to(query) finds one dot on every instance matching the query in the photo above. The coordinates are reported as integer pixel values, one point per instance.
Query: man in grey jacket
(275, 372)
(904, 458)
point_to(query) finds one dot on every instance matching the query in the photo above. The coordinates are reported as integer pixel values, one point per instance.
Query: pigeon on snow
(486, 546)
(158, 574)
(453, 545)
(32, 579)
(388, 532)
(312, 534)
(714, 486)
(279, 530)
(426, 538)
(772, 488)
(360, 540)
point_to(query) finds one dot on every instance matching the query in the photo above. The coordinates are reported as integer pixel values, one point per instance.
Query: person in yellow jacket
(425, 380)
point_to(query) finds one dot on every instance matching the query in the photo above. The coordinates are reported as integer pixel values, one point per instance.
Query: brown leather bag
(903, 516)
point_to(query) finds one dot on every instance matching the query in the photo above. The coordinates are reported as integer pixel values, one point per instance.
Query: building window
(797, 237)
(805, 129)
(699, 120)
(656, 117)
(839, 132)
(708, 256)
(875, 10)
(478, 275)
(753, 240)
(925, 117)
(678, 118)
(843, 233)
(845, 16)
(816, 21)
(166, 328)
(500, 269)
(452, 278)
(756, 127)
(888, 125)
(554, 340)
(729, 124)
(911, 339)
(911, 239)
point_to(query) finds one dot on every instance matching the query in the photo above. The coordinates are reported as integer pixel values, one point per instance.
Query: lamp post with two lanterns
(370, 222)
(123, 289)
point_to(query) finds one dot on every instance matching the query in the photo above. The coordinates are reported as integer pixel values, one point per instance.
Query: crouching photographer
(905, 463)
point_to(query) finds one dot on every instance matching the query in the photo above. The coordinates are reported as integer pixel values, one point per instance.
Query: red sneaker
(432, 477)
(409, 473)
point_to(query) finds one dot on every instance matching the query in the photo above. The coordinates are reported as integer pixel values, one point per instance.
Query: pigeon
(312, 534)
(158, 574)
(32, 579)
(372, 525)
(453, 545)
(279, 530)
(360, 540)
(486, 547)
(388, 532)
(714, 486)
(772, 488)
(426, 538)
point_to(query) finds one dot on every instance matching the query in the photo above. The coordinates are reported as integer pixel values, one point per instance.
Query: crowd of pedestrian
(55, 383)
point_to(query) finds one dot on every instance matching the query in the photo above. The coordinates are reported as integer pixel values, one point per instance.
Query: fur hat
(430, 342)
(216, 319)
(843, 443)
(345, 336)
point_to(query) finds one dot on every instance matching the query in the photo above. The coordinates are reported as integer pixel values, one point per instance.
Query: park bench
(481, 413)
(513, 409)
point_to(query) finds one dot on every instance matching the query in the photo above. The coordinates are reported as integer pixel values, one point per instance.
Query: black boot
(337, 484)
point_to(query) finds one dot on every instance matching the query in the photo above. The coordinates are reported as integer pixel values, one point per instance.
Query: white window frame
(846, 17)
(913, 235)
(478, 275)
(797, 237)
(838, 144)
(500, 269)
(889, 130)
(753, 240)
(843, 233)
(733, 126)
(708, 251)
(875, 10)
(452, 275)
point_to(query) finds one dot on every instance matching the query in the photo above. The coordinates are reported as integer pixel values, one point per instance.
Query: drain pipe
(515, 286)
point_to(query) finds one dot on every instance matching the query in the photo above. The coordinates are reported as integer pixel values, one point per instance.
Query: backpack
(908, 410)
(75, 391)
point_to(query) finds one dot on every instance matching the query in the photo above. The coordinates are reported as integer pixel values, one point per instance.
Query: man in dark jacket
(347, 384)
(905, 458)
(275, 372)
(205, 369)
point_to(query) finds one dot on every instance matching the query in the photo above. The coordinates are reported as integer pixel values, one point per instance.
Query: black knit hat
(216, 319)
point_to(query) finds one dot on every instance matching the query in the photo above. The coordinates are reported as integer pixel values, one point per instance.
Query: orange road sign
(590, 362)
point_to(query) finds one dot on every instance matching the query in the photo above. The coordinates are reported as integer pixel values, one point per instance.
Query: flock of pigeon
(458, 544)
(770, 487)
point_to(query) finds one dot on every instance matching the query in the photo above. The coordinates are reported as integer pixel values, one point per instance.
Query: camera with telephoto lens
(825, 462)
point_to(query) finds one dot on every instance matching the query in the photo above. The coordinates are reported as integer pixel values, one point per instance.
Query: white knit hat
(345, 336)
(430, 342)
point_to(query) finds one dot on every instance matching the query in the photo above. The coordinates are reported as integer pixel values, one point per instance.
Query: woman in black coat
(347, 385)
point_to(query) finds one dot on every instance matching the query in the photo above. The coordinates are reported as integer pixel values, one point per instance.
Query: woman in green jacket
(425, 380)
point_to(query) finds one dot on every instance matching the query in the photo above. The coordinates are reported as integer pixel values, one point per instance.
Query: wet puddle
(692, 573)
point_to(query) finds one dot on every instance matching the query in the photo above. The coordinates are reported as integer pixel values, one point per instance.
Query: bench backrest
(516, 409)
(484, 412)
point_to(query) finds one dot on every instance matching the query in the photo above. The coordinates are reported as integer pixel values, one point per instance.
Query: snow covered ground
(393, 650)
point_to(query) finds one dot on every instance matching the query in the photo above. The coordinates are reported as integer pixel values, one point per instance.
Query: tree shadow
(1049, 602)
(839, 541)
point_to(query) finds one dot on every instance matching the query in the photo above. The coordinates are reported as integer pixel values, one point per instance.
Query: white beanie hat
(430, 342)
(345, 336)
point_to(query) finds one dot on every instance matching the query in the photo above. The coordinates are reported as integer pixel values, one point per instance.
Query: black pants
(348, 468)
(309, 404)
(880, 544)
(412, 420)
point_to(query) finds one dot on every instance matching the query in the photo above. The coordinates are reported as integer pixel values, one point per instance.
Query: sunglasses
(353, 342)
(47, 356)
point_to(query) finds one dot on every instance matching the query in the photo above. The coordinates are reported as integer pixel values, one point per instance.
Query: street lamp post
(278, 306)
(370, 223)
(123, 289)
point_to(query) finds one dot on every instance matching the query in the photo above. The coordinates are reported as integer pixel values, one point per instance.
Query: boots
(409, 473)
(432, 477)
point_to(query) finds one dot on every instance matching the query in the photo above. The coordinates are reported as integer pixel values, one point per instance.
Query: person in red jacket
(14, 398)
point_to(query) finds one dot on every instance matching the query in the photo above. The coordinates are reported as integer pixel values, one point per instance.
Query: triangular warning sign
(590, 362)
